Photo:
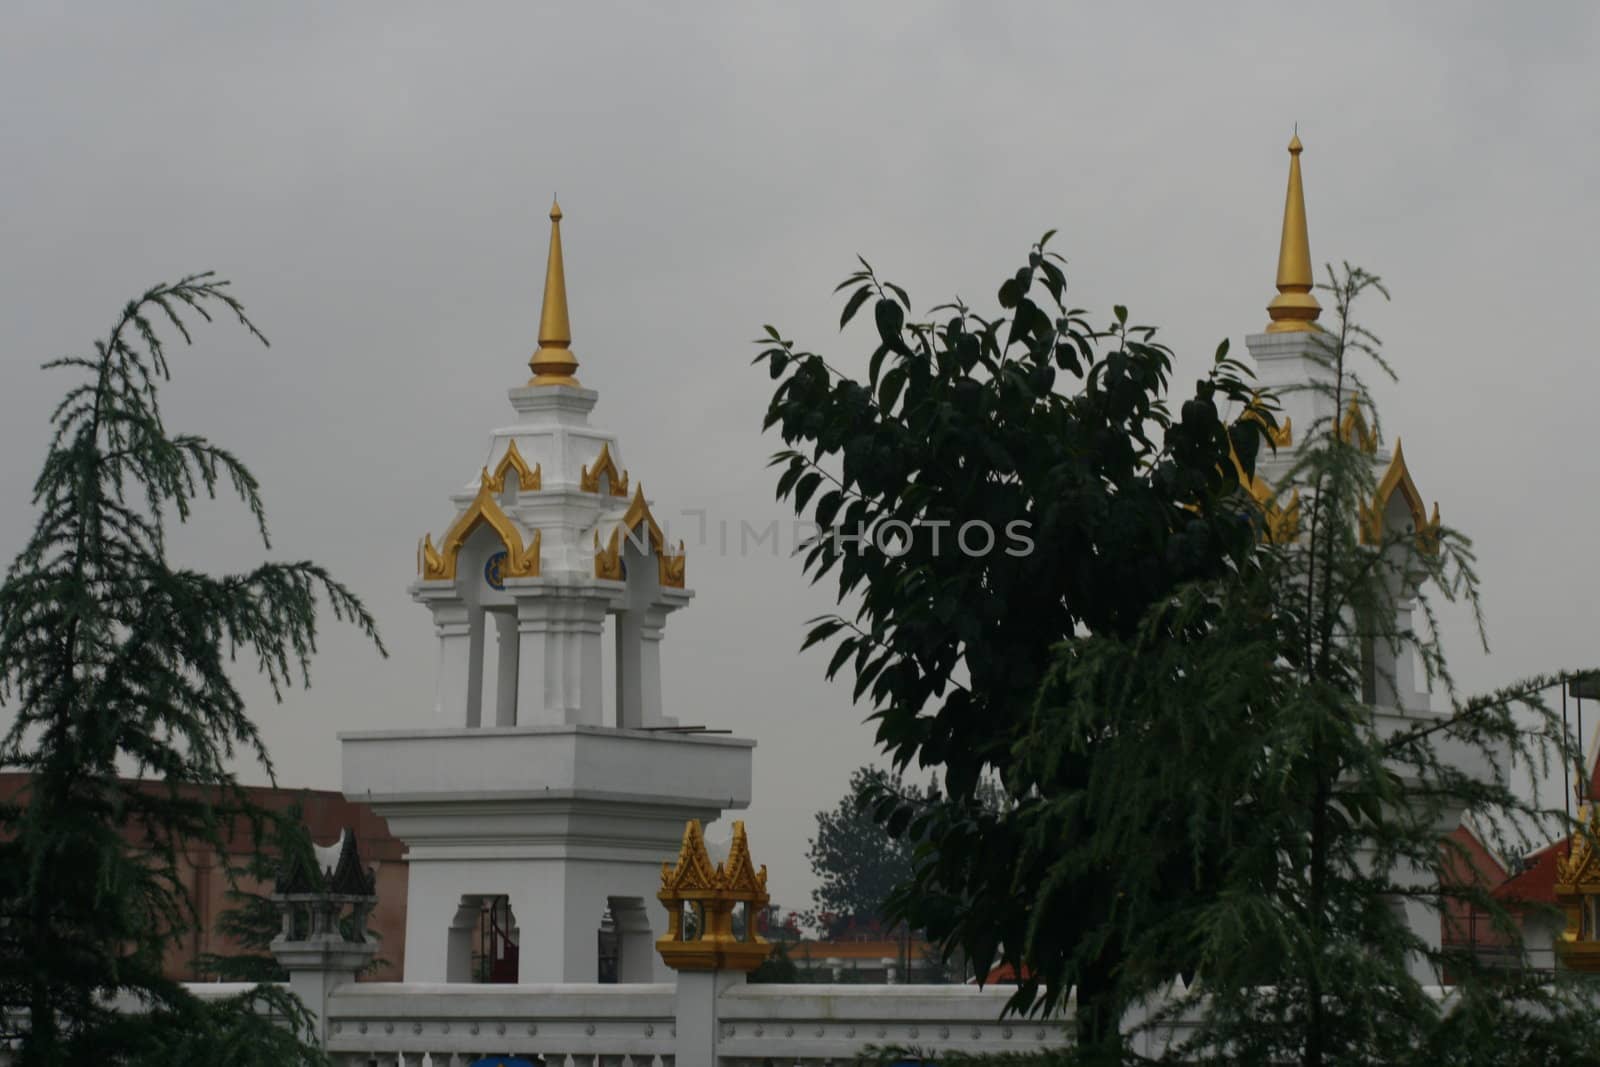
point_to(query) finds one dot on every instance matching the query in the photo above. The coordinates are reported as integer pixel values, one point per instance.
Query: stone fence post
(324, 942)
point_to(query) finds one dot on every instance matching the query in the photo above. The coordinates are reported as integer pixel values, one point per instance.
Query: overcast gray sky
(375, 178)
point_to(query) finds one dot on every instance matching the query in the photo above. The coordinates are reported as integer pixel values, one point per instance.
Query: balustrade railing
(831, 1024)
(390, 1024)
(373, 1024)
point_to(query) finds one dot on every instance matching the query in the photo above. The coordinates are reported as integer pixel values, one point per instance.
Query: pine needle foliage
(856, 862)
(1257, 729)
(113, 660)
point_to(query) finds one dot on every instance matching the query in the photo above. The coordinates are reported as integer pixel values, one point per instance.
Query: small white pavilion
(529, 788)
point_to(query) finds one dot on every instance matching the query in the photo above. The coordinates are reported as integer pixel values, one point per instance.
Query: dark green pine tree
(251, 919)
(856, 862)
(112, 660)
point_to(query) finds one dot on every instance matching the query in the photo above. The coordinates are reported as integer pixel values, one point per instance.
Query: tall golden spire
(554, 362)
(1294, 309)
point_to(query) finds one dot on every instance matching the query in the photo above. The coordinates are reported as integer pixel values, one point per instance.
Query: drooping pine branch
(110, 660)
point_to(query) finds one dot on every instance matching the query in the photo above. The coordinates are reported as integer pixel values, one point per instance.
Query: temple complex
(556, 811)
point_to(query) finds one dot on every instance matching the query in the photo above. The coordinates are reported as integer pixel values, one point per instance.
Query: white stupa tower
(529, 787)
(1293, 359)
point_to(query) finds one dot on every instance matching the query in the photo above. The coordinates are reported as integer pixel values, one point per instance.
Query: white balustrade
(449, 1025)
(822, 1024)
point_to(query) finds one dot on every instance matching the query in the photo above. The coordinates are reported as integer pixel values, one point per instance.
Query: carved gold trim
(1353, 428)
(589, 480)
(608, 560)
(1281, 436)
(528, 479)
(440, 563)
(1281, 522)
(670, 566)
(1397, 479)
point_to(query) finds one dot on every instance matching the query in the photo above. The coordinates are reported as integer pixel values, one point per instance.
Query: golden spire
(1294, 309)
(554, 363)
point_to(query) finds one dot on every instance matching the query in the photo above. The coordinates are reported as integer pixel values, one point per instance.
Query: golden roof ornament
(1577, 891)
(1294, 309)
(554, 363)
(702, 902)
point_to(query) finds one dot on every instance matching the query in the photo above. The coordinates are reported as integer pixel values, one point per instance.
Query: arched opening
(482, 945)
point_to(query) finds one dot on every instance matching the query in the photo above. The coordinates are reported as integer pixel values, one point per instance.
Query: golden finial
(1294, 309)
(554, 363)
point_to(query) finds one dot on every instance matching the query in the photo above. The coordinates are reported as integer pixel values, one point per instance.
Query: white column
(475, 667)
(316, 969)
(430, 913)
(559, 659)
(631, 688)
(651, 629)
(507, 651)
(452, 624)
(586, 706)
(699, 1021)
(636, 946)
(534, 681)
(1394, 667)
(558, 920)
(1408, 695)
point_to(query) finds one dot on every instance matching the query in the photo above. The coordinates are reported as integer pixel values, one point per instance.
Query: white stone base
(559, 819)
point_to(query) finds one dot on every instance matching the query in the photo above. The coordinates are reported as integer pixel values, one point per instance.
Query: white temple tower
(1293, 358)
(530, 788)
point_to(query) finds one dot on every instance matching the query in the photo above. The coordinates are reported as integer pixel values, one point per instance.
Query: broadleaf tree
(1029, 481)
(114, 661)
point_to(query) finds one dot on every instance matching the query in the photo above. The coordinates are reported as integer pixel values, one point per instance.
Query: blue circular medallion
(494, 570)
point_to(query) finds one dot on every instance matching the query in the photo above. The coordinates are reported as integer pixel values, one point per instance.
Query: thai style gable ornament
(616, 481)
(521, 561)
(529, 479)
(670, 566)
(1397, 479)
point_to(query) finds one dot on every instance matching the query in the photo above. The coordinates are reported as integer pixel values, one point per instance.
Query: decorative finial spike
(554, 363)
(1294, 309)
